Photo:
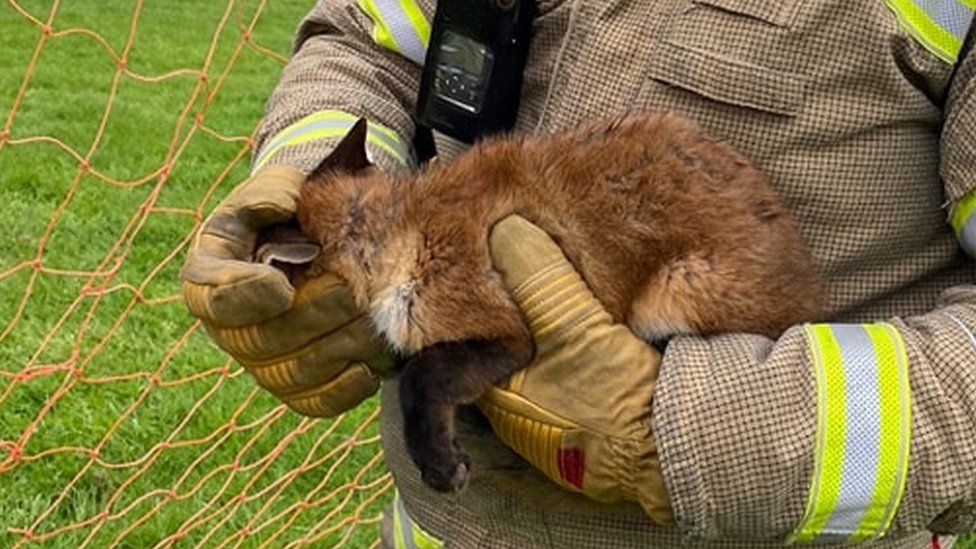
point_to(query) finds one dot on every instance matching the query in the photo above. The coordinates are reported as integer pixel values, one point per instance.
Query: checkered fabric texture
(849, 116)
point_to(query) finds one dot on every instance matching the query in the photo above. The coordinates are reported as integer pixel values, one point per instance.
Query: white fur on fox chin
(390, 306)
(390, 313)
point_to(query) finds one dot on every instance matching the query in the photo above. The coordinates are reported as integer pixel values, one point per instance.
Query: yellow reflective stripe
(380, 131)
(926, 30)
(320, 116)
(863, 432)
(896, 424)
(963, 209)
(381, 31)
(329, 124)
(418, 21)
(825, 488)
(962, 217)
(407, 534)
(400, 26)
(332, 123)
(398, 540)
(422, 539)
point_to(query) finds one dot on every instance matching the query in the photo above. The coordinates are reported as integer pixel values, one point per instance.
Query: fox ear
(349, 155)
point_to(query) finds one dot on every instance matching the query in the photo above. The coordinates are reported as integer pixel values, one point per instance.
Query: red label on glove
(571, 464)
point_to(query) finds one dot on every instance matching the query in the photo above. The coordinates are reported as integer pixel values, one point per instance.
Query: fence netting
(121, 424)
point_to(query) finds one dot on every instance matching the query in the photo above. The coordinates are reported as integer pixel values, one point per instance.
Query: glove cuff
(535, 434)
(647, 483)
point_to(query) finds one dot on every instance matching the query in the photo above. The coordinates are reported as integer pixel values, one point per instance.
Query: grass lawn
(120, 422)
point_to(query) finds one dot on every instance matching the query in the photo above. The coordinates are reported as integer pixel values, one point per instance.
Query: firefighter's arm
(311, 347)
(835, 431)
(353, 58)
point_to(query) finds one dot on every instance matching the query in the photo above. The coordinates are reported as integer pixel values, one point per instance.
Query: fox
(673, 231)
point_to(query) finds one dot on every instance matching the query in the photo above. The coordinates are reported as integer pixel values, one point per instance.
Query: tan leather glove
(309, 346)
(581, 411)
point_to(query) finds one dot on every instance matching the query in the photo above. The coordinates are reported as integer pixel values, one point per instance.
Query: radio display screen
(463, 67)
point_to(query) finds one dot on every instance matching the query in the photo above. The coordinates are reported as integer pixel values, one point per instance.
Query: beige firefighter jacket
(868, 134)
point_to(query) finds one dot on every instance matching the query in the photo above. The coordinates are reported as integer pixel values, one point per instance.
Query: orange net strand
(231, 467)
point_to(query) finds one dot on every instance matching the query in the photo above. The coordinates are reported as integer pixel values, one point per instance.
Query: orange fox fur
(673, 231)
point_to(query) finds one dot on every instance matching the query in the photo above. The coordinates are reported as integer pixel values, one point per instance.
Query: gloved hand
(309, 346)
(581, 411)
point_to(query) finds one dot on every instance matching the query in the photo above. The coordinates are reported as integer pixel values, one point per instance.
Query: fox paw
(451, 474)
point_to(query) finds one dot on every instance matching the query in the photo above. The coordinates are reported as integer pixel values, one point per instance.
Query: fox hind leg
(674, 298)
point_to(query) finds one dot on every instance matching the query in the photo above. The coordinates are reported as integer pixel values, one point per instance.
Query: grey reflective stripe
(967, 236)
(403, 32)
(339, 124)
(376, 135)
(952, 15)
(333, 124)
(861, 401)
(863, 434)
(295, 132)
(940, 26)
(962, 218)
(400, 26)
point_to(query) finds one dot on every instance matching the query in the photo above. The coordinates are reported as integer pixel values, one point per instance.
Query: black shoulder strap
(423, 144)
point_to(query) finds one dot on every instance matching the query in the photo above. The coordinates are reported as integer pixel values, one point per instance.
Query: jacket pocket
(777, 13)
(728, 80)
(732, 51)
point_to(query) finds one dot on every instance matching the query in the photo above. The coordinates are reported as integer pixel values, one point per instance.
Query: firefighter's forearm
(834, 431)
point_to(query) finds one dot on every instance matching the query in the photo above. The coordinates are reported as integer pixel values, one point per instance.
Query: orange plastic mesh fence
(120, 423)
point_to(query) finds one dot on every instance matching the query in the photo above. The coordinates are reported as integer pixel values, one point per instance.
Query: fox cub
(673, 231)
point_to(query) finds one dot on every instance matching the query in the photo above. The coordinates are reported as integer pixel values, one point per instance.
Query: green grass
(111, 335)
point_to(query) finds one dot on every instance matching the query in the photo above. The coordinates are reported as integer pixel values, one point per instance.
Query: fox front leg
(438, 379)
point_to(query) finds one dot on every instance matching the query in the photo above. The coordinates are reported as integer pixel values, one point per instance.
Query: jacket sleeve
(835, 432)
(352, 59)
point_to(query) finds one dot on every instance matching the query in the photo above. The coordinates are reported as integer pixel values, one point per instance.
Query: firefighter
(861, 428)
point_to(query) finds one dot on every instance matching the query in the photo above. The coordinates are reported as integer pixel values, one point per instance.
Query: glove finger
(322, 360)
(346, 391)
(549, 291)
(571, 328)
(237, 292)
(223, 288)
(244, 303)
(271, 196)
(321, 306)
